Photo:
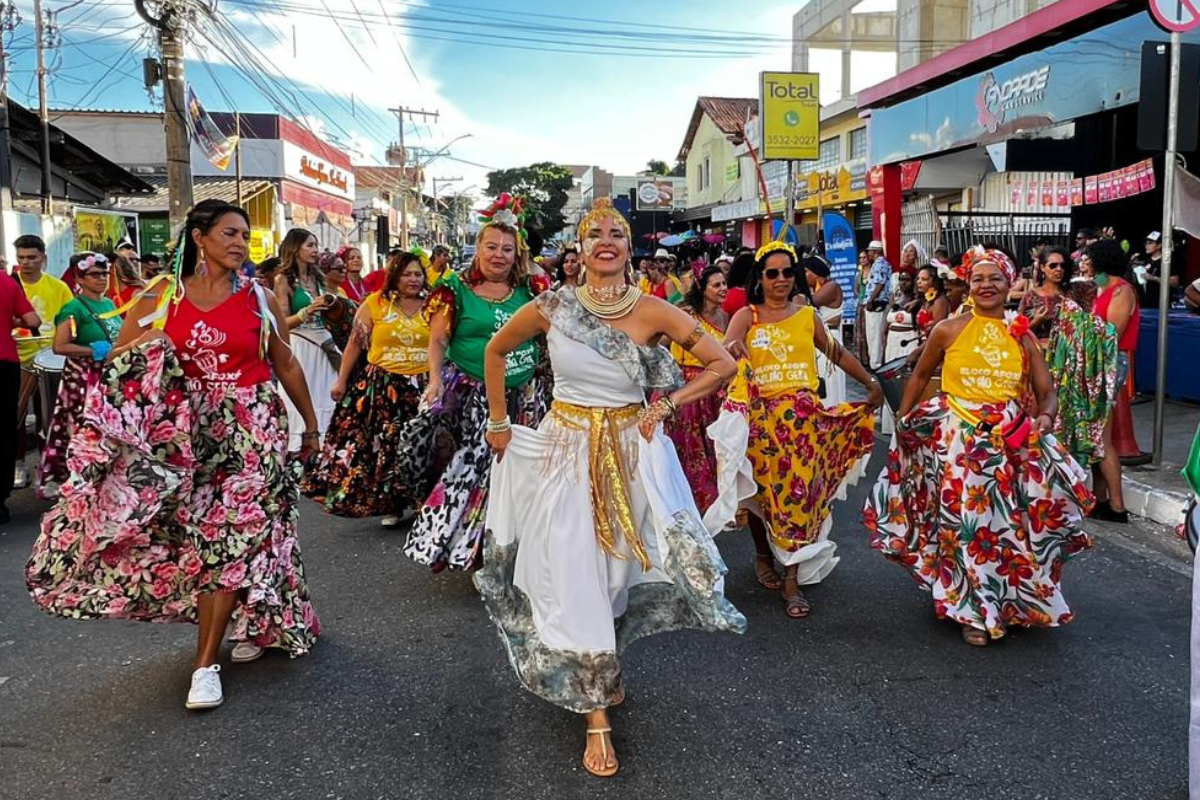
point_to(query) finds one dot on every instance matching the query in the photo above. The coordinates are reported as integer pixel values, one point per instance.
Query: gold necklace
(609, 308)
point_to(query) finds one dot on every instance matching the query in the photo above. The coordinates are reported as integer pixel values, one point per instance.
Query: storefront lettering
(994, 99)
(326, 176)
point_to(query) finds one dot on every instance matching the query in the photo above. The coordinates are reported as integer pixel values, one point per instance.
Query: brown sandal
(796, 605)
(974, 636)
(619, 698)
(606, 772)
(764, 571)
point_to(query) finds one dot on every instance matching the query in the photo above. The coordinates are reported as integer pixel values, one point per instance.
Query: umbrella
(658, 235)
(672, 241)
(714, 238)
(687, 236)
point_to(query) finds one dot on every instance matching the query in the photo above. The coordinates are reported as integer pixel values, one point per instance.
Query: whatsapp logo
(791, 119)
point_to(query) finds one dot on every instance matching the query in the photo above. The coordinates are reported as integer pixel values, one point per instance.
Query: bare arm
(1043, 385)
(735, 334)
(828, 295)
(63, 344)
(132, 333)
(362, 332)
(30, 320)
(849, 364)
(290, 375)
(931, 358)
(439, 341)
(1120, 310)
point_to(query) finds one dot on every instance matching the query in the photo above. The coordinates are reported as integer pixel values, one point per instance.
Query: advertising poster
(842, 253)
(1146, 179)
(655, 195)
(101, 231)
(1018, 192)
(1105, 183)
(1077, 192)
(1032, 191)
(156, 232)
(1132, 186)
(1063, 194)
(790, 114)
(1048, 194)
(1091, 190)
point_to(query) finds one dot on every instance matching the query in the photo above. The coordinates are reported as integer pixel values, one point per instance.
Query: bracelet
(672, 409)
(310, 434)
(499, 425)
(303, 314)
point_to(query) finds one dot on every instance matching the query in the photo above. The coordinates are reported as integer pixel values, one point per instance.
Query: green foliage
(656, 167)
(544, 186)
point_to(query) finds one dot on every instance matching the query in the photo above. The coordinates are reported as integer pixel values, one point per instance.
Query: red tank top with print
(220, 347)
(1129, 339)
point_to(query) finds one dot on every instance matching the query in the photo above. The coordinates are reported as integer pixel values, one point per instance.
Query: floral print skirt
(983, 524)
(803, 453)
(689, 432)
(176, 490)
(76, 374)
(357, 472)
(448, 531)
(1082, 358)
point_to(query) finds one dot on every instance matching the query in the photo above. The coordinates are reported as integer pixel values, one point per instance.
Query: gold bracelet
(693, 338)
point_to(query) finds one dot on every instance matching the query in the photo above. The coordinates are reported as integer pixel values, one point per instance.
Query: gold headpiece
(603, 207)
(775, 246)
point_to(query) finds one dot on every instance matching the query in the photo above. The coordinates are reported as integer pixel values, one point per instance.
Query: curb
(1158, 494)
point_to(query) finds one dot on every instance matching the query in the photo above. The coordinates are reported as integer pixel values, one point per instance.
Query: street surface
(408, 693)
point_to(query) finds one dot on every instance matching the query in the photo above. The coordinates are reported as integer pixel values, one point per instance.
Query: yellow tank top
(782, 354)
(984, 364)
(399, 343)
(683, 357)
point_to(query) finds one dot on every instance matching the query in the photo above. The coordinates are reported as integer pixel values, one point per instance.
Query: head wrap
(817, 265)
(344, 251)
(978, 255)
(922, 257)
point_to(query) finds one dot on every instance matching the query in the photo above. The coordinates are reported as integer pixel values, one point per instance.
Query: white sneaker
(245, 651)
(20, 477)
(206, 688)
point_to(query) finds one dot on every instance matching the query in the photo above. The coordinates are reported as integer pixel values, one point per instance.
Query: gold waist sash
(609, 467)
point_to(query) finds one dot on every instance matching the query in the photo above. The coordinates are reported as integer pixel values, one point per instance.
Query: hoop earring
(203, 266)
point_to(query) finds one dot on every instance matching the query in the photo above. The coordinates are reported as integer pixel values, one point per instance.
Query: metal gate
(1016, 233)
(919, 220)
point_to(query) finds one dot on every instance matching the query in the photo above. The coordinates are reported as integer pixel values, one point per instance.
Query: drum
(894, 375)
(48, 367)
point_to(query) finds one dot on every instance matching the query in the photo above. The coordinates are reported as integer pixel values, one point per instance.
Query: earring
(203, 267)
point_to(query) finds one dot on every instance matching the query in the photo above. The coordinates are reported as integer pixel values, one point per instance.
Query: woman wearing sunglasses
(799, 452)
(84, 337)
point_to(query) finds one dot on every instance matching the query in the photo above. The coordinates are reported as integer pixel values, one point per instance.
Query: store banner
(842, 253)
(218, 148)
(790, 113)
(655, 195)
(99, 231)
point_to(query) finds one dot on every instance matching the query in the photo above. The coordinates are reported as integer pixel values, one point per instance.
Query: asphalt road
(408, 693)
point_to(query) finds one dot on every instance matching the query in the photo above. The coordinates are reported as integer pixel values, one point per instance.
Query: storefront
(1030, 147)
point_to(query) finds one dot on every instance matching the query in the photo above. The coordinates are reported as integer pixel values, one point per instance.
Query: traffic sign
(1176, 16)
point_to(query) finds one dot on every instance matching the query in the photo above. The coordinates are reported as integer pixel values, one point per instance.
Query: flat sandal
(607, 772)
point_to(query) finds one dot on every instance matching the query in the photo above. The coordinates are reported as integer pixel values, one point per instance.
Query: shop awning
(202, 189)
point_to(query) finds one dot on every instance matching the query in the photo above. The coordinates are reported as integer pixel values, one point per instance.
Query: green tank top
(476, 320)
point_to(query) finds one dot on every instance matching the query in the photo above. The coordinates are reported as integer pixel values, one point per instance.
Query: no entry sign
(1176, 16)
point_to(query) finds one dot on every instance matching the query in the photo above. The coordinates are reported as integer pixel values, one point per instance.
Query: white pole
(1168, 248)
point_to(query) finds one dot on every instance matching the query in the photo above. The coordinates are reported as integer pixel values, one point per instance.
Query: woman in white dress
(828, 300)
(593, 538)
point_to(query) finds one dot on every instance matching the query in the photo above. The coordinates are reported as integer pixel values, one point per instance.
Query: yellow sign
(789, 108)
(262, 245)
(101, 231)
(832, 188)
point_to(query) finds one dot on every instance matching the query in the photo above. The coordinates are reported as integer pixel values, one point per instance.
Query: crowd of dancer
(576, 440)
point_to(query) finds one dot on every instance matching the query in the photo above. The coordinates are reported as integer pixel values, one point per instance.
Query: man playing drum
(47, 294)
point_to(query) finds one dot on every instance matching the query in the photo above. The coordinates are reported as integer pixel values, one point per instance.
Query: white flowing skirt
(835, 379)
(566, 608)
(320, 376)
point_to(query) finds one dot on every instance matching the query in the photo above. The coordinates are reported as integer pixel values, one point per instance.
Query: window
(699, 177)
(858, 143)
(830, 155)
(707, 172)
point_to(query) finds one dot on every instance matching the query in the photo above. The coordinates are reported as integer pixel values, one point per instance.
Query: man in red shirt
(17, 310)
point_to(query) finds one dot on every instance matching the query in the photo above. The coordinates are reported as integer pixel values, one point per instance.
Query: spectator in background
(1117, 304)
(17, 311)
(1147, 266)
(125, 279)
(874, 299)
(1085, 237)
(568, 271)
(265, 272)
(1191, 296)
(151, 266)
(48, 295)
(439, 262)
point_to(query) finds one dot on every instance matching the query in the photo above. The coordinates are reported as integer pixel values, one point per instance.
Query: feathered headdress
(506, 210)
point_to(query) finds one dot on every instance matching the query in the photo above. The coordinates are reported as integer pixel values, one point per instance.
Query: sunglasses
(96, 274)
(1055, 265)
(773, 274)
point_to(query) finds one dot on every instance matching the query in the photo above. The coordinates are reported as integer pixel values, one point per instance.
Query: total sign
(789, 108)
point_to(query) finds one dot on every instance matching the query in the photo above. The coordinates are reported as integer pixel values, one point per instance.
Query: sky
(522, 81)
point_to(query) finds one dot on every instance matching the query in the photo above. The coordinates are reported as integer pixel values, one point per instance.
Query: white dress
(564, 605)
(308, 344)
(902, 339)
(835, 379)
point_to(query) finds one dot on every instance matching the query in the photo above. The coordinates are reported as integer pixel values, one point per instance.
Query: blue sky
(520, 105)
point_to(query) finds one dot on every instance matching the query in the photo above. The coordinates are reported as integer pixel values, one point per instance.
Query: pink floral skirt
(175, 490)
(689, 433)
(76, 374)
(984, 524)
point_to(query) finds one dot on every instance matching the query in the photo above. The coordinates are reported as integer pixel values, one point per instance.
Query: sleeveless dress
(688, 429)
(357, 474)
(180, 484)
(316, 352)
(973, 502)
(800, 454)
(448, 531)
(831, 374)
(593, 538)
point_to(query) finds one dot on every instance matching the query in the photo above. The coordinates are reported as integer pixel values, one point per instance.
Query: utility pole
(179, 147)
(237, 155)
(401, 113)
(39, 27)
(1168, 248)
(9, 19)
(442, 181)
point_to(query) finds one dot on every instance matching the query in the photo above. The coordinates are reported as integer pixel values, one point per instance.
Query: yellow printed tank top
(984, 364)
(782, 354)
(686, 359)
(399, 344)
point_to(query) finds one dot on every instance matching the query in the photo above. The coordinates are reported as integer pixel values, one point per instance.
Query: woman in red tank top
(200, 495)
(1117, 304)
